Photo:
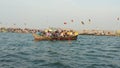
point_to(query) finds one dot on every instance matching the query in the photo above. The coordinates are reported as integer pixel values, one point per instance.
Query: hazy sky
(53, 13)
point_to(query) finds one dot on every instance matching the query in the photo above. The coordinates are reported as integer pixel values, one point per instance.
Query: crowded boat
(55, 34)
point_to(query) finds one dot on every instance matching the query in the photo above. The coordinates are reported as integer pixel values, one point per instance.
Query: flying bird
(72, 20)
(89, 20)
(65, 22)
(118, 19)
(82, 22)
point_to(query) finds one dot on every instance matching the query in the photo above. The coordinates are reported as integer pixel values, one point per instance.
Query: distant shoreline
(81, 32)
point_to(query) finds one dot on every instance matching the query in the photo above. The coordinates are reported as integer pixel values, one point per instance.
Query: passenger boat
(39, 38)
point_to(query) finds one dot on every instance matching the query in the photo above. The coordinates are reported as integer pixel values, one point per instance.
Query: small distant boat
(40, 38)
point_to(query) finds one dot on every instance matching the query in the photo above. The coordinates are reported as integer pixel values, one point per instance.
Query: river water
(21, 51)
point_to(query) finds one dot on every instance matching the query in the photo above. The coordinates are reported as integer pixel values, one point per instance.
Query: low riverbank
(81, 32)
(19, 30)
(98, 32)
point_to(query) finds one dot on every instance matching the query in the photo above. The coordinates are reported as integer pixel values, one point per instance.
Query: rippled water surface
(21, 51)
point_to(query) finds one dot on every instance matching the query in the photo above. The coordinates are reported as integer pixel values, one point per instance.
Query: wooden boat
(38, 37)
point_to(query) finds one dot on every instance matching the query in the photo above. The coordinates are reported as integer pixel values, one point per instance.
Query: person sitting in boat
(43, 33)
(70, 33)
(76, 33)
(48, 34)
(57, 34)
(38, 33)
(63, 33)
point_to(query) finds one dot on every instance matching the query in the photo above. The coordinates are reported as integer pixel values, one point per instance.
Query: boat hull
(38, 37)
